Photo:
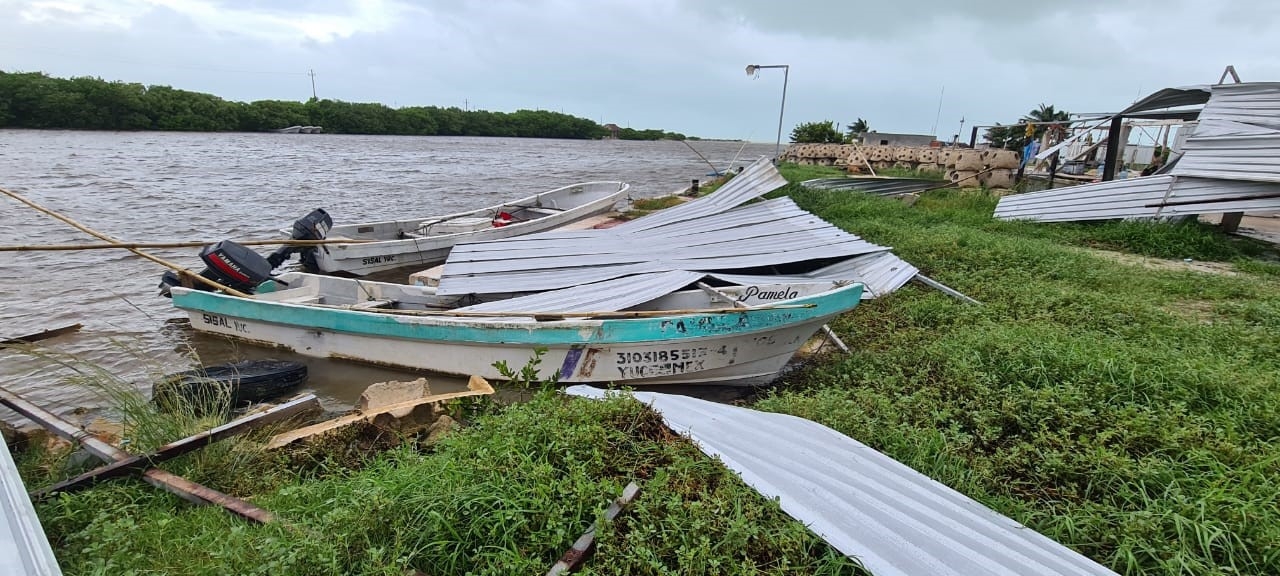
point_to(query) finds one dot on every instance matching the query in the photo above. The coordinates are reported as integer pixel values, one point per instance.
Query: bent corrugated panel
(24, 550)
(896, 521)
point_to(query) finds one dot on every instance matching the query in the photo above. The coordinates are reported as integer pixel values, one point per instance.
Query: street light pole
(753, 71)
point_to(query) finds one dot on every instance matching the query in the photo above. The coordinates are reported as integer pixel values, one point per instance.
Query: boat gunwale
(426, 328)
(623, 188)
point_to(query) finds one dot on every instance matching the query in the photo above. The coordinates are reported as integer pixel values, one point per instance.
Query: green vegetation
(1131, 413)
(856, 129)
(800, 173)
(896, 172)
(507, 495)
(1015, 137)
(35, 100)
(817, 133)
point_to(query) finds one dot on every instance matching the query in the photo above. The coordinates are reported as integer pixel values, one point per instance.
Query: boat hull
(365, 258)
(738, 347)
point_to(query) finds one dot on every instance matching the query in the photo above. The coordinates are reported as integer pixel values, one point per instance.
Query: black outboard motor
(229, 264)
(313, 226)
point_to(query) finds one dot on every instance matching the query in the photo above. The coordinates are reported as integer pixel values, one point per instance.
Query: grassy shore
(1131, 412)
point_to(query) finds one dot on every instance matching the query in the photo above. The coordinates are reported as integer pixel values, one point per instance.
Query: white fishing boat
(425, 241)
(731, 334)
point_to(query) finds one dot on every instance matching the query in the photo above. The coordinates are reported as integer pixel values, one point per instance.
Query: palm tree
(857, 129)
(1047, 114)
(1015, 137)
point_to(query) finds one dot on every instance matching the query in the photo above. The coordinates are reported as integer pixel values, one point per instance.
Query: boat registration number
(224, 322)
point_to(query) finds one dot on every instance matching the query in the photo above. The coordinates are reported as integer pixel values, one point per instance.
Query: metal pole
(777, 146)
(1113, 149)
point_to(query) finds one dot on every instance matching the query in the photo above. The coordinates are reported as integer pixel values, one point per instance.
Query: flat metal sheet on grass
(875, 185)
(894, 520)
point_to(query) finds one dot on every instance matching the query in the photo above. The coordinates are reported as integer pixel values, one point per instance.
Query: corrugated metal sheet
(756, 180)
(1149, 197)
(1230, 164)
(874, 185)
(894, 520)
(607, 296)
(1238, 137)
(768, 233)
(1171, 98)
(24, 550)
(881, 273)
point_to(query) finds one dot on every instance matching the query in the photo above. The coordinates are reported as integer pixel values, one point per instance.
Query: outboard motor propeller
(230, 264)
(313, 226)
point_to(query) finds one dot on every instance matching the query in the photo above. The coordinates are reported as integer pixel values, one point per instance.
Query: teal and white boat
(734, 334)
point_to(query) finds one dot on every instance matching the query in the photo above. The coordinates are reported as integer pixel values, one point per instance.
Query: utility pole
(466, 104)
(312, 74)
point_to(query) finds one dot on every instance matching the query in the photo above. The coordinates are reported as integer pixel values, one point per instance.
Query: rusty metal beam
(172, 483)
(576, 555)
(174, 449)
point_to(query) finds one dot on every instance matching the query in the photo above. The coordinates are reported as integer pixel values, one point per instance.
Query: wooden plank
(174, 449)
(174, 484)
(43, 335)
(477, 387)
(585, 543)
(190, 244)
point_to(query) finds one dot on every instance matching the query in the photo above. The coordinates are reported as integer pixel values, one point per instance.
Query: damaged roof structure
(1230, 163)
(714, 236)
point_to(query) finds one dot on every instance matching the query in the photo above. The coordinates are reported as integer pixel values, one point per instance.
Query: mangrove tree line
(36, 100)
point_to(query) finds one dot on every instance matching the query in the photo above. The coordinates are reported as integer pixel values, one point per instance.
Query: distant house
(613, 131)
(887, 139)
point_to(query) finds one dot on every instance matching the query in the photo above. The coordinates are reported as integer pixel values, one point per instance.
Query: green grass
(507, 495)
(1132, 414)
(1129, 413)
(911, 173)
(800, 173)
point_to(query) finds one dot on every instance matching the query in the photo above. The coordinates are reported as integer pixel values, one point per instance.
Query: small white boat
(741, 334)
(426, 241)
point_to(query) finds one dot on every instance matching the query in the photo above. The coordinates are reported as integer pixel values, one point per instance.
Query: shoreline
(1051, 403)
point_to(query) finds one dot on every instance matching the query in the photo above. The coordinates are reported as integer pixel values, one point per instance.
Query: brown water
(177, 187)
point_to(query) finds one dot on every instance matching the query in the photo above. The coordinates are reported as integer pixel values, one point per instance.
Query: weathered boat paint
(397, 246)
(742, 346)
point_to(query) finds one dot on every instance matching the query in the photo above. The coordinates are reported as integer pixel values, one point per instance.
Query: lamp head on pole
(752, 69)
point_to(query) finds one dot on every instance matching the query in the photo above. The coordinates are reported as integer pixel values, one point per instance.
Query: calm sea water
(150, 187)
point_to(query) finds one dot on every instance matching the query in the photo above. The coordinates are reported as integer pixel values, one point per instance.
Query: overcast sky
(671, 64)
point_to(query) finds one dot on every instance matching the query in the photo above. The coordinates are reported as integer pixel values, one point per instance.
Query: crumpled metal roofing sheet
(1230, 164)
(1238, 137)
(24, 550)
(769, 233)
(880, 273)
(607, 296)
(1148, 197)
(1171, 98)
(894, 520)
(873, 185)
(756, 180)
